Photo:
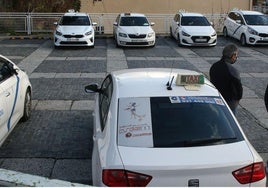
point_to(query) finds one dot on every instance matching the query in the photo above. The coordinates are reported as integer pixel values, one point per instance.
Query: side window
(5, 71)
(176, 18)
(105, 99)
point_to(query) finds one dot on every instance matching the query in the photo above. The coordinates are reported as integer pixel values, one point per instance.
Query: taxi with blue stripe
(168, 127)
(15, 97)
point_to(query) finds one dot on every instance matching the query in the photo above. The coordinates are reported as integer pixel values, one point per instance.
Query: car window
(175, 122)
(105, 99)
(4, 70)
(256, 19)
(194, 21)
(74, 20)
(134, 21)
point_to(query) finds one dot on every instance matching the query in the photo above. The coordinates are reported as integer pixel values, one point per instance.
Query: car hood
(74, 29)
(198, 30)
(137, 30)
(260, 28)
(175, 166)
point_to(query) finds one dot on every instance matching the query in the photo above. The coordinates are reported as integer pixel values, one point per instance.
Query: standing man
(226, 78)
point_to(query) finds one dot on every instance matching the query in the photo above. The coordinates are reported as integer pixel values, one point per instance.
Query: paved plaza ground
(57, 141)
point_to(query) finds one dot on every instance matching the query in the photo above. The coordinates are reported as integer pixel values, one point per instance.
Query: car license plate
(200, 40)
(72, 39)
(138, 41)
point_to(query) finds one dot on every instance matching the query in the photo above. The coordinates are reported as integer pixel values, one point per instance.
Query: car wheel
(179, 40)
(225, 32)
(170, 32)
(243, 40)
(27, 106)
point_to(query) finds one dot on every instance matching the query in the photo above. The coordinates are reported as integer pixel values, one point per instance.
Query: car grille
(200, 39)
(137, 36)
(137, 43)
(73, 36)
(263, 34)
(73, 42)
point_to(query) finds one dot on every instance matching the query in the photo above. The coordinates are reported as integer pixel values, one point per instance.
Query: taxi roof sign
(190, 79)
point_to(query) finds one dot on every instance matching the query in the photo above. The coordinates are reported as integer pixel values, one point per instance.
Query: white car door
(3, 114)
(175, 25)
(10, 87)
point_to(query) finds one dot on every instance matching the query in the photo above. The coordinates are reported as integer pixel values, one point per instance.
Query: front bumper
(78, 40)
(199, 41)
(126, 41)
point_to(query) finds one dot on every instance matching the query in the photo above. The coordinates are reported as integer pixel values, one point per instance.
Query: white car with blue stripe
(15, 97)
(168, 127)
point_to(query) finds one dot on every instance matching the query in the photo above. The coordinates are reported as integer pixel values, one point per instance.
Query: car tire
(179, 40)
(27, 106)
(170, 32)
(225, 32)
(243, 40)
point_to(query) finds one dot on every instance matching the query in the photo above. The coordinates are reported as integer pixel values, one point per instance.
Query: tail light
(124, 178)
(250, 174)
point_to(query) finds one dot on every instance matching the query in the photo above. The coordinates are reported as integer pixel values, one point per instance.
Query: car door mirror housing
(92, 88)
(115, 24)
(238, 21)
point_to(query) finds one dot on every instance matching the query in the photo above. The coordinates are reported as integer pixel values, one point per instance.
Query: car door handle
(7, 94)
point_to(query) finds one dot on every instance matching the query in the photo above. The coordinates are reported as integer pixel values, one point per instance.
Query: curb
(9, 178)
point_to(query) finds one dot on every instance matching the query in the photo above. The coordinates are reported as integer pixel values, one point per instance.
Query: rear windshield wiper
(200, 142)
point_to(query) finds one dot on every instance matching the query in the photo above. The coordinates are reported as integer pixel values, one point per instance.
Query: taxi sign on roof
(190, 79)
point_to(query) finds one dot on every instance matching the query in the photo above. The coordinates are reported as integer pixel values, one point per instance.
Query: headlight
(122, 35)
(89, 32)
(252, 31)
(58, 33)
(185, 34)
(150, 34)
(213, 34)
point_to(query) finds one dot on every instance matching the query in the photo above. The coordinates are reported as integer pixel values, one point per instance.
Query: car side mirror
(92, 88)
(55, 23)
(238, 21)
(178, 23)
(11, 68)
(94, 24)
(115, 24)
(152, 24)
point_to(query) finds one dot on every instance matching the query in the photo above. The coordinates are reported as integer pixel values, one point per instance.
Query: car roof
(132, 14)
(248, 12)
(191, 14)
(151, 82)
(75, 14)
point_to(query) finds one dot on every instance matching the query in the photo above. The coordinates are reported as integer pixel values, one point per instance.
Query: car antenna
(169, 84)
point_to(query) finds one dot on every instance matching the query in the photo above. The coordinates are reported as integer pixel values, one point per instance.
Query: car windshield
(175, 122)
(75, 20)
(134, 21)
(256, 19)
(194, 21)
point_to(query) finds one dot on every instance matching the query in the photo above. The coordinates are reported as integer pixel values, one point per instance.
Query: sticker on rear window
(194, 99)
(134, 122)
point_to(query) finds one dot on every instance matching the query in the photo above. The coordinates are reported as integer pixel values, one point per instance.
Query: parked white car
(192, 29)
(15, 97)
(161, 127)
(133, 29)
(250, 27)
(74, 29)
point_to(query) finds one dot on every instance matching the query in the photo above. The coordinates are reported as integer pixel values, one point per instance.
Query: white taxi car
(162, 127)
(74, 29)
(192, 29)
(15, 97)
(133, 29)
(250, 27)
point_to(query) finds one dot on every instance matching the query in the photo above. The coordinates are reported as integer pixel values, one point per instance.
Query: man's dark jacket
(227, 80)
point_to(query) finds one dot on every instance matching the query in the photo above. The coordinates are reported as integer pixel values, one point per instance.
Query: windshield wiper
(201, 142)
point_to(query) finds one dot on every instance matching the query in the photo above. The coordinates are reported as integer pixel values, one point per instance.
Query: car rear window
(175, 122)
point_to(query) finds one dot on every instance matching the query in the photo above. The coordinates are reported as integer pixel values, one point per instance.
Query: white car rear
(153, 128)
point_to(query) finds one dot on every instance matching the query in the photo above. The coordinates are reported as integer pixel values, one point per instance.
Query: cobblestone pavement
(57, 141)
